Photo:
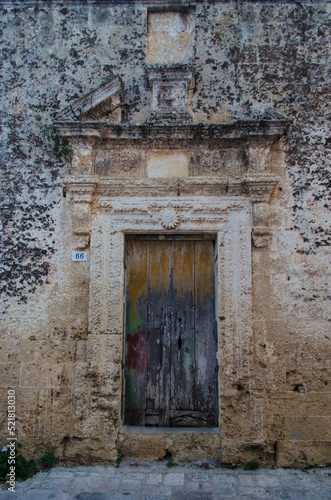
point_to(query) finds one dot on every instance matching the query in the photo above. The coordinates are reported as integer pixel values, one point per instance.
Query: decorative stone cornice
(259, 187)
(196, 133)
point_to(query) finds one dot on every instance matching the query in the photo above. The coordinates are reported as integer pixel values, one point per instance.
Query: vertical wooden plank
(136, 332)
(205, 332)
(182, 331)
(158, 379)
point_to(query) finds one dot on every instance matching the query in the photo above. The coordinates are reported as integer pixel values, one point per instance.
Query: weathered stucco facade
(205, 118)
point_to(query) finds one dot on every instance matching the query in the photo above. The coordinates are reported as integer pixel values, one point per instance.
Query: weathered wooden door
(171, 339)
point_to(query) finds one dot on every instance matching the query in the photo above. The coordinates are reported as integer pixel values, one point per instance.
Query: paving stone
(52, 484)
(278, 494)
(154, 478)
(174, 479)
(91, 496)
(130, 483)
(155, 491)
(156, 482)
(320, 472)
(182, 495)
(299, 493)
(247, 480)
(129, 495)
(43, 494)
(223, 480)
(200, 487)
(226, 490)
(159, 497)
(7, 495)
(137, 475)
(198, 477)
(83, 483)
(267, 481)
(62, 472)
(324, 493)
(253, 493)
(108, 485)
(104, 469)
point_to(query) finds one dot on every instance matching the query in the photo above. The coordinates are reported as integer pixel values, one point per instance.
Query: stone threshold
(183, 443)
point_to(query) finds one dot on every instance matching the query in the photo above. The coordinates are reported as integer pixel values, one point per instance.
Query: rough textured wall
(248, 56)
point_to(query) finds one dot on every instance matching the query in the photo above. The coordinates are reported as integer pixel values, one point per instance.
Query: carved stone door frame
(230, 218)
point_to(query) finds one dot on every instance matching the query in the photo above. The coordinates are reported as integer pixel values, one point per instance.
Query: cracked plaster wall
(247, 56)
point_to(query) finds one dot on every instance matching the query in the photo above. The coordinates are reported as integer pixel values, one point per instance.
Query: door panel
(171, 341)
(136, 333)
(205, 330)
(158, 387)
(182, 331)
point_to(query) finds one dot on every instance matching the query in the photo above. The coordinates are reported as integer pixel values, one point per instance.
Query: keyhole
(179, 343)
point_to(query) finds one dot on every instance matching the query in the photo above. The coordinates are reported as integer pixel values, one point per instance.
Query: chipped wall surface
(230, 165)
(170, 37)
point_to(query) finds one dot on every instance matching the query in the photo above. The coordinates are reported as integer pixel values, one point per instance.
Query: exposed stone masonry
(253, 62)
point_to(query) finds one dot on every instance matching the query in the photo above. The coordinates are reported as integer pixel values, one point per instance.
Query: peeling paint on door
(171, 339)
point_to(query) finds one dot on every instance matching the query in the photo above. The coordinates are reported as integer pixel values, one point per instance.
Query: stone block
(85, 451)
(167, 164)
(237, 452)
(146, 447)
(298, 454)
(194, 446)
(9, 374)
(170, 37)
(120, 163)
(308, 428)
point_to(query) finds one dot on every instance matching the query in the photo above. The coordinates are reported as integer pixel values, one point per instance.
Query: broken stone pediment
(102, 104)
(98, 114)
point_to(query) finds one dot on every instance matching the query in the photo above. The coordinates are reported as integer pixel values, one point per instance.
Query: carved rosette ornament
(169, 218)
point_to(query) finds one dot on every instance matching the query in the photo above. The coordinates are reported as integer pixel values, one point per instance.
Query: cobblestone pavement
(154, 480)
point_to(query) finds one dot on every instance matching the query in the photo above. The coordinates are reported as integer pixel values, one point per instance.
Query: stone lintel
(258, 187)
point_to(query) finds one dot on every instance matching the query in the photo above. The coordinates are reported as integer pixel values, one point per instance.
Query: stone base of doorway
(183, 443)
